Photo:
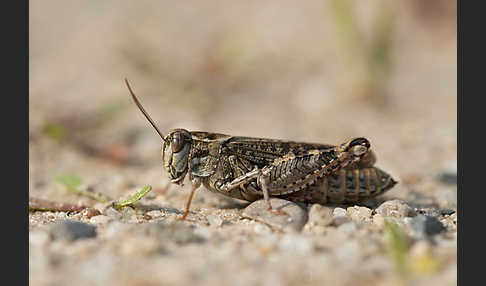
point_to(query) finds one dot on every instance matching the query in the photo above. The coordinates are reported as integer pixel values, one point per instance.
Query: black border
(471, 203)
(15, 123)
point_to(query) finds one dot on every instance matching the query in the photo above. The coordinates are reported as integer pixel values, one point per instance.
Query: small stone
(339, 212)
(90, 212)
(214, 220)
(155, 214)
(293, 219)
(320, 215)
(72, 230)
(361, 214)
(100, 219)
(426, 225)
(395, 208)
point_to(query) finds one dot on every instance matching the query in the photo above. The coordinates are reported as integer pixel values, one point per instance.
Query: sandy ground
(272, 70)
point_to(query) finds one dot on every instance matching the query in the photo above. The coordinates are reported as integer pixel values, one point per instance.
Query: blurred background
(317, 71)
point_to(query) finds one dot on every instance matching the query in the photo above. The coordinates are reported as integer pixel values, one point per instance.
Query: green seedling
(131, 200)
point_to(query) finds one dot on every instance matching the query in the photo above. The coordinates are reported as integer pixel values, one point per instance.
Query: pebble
(214, 220)
(72, 230)
(361, 214)
(395, 208)
(100, 219)
(294, 219)
(155, 214)
(426, 225)
(320, 215)
(90, 212)
(339, 212)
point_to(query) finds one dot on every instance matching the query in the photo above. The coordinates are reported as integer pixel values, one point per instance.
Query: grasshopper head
(357, 147)
(176, 147)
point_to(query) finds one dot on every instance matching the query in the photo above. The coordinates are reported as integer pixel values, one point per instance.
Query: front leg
(196, 183)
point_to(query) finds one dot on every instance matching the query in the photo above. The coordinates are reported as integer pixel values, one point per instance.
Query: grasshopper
(249, 168)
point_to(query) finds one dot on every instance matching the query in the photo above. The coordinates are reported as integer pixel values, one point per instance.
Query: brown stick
(36, 204)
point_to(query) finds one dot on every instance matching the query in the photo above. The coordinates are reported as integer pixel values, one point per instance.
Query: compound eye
(360, 141)
(177, 143)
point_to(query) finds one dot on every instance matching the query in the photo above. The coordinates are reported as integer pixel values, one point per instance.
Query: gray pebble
(426, 225)
(72, 230)
(395, 208)
(293, 220)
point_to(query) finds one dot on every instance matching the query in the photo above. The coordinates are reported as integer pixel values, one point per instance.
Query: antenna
(143, 110)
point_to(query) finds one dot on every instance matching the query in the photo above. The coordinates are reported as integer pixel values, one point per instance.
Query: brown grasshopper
(251, 168)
